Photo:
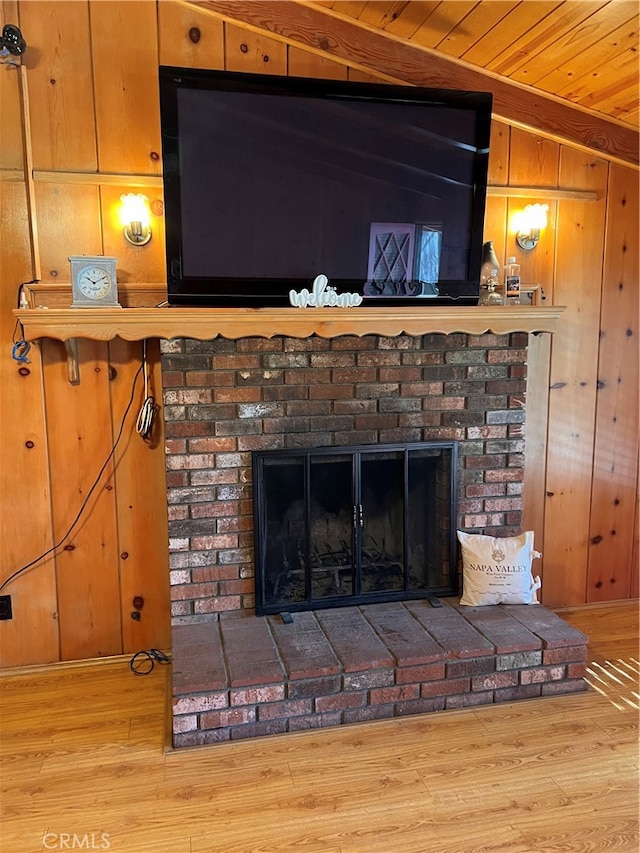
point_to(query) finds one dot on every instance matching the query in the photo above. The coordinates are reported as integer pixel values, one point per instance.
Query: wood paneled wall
(91, 89)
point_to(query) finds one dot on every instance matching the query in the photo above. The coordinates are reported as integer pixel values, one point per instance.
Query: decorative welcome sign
(323, 296)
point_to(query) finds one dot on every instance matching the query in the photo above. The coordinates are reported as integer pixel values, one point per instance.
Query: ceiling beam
(321, 31)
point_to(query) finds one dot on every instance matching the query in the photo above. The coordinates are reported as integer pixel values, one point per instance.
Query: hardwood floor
(84, 767)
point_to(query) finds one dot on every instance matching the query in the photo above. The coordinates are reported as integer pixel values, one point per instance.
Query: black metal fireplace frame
(259, 458)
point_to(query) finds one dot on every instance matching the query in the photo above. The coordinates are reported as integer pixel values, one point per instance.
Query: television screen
(277, 187)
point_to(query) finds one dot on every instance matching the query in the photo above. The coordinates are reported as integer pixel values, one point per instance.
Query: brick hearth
(245, 676)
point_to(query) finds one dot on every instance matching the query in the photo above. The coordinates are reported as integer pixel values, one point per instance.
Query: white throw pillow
(498, 571)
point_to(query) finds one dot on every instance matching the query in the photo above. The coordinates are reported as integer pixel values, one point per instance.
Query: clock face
(94, 282)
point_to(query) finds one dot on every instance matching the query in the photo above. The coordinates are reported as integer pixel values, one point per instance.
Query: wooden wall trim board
(11, 144)
(324, 31)
(134, 324)
(102, 179)
(635, 550)
(537, 438)
(28, 175)
(79, 603)
(97, 178)
(540, 192)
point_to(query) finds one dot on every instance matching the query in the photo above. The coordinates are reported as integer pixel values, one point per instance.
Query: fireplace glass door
(337, 527)
(380, 522)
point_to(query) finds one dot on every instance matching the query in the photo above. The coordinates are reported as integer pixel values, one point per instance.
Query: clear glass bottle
(512, 281)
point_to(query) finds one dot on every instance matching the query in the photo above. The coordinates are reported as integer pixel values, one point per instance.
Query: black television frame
(243, 291)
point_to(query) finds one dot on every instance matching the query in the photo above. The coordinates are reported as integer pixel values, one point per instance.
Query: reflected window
(404, 259)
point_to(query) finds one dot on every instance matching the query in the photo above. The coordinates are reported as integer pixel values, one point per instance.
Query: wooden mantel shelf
(134, 324)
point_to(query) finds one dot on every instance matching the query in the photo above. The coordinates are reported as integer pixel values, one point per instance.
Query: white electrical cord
(147, 413)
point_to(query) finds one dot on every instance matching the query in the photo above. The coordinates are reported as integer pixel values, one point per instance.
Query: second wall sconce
(528, 225)
(136, 219)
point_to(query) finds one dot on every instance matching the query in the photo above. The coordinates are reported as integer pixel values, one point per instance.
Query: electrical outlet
(6, 611)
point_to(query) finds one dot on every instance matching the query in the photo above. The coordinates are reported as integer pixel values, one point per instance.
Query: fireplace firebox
(336, 527)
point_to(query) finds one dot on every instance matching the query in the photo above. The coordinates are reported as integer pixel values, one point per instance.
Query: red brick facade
(224, 399)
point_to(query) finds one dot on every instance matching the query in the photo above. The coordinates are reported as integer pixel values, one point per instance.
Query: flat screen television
(273, 184)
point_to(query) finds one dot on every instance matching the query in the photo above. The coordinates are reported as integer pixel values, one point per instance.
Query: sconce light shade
(135, 218)
(529, 223)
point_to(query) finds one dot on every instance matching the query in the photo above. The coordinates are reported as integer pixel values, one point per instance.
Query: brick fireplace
(224, 399)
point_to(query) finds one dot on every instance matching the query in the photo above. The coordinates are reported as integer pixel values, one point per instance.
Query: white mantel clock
(93, 282)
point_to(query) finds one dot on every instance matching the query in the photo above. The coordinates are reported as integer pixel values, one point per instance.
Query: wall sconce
(528, 225)
(135, 218)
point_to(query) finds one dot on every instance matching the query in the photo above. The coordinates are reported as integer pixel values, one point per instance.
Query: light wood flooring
(84, 766)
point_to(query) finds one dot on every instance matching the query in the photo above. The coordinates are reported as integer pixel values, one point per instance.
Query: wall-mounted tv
(270, 182)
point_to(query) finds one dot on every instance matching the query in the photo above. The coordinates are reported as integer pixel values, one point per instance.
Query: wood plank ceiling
(583, 52)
